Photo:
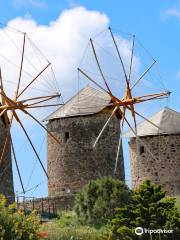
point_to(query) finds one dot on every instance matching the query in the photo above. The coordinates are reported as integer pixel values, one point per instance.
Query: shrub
(15, 225)
(148, 209)
(95, 203)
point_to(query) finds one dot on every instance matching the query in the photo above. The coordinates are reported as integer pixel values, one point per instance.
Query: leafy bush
(66, 218)
(148, 209)
(95, 203)
(15, 225)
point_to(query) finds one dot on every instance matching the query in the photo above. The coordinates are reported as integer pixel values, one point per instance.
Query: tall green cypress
(148, 209)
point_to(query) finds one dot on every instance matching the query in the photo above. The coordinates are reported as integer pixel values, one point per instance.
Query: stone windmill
(24, 93)
(158, 155)
(109, 64)
(76, 125)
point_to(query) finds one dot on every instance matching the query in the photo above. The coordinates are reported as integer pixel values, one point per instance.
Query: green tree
(95, 204)
(149, 209)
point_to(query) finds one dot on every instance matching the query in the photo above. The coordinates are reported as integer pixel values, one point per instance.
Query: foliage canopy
(16, 225)
(149, 209)
(95, 204)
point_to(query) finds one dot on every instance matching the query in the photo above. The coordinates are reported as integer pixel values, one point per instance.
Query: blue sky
(156, 23)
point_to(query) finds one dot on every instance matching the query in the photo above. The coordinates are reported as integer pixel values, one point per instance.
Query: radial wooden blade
(119, 148)
(140, 140)
(34, 79)
(49, 133)
(42, 106)
(131, 62)
(93, 81)
(44, 98)
(21, 67)
(30, 142)
(119, 55)
(147, 120)
(137, 143)
(105, 125)
(2, 112)
(99, 66)
(16, 163)
(142, 76)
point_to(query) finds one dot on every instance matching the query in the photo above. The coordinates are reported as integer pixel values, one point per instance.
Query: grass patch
(66, 227)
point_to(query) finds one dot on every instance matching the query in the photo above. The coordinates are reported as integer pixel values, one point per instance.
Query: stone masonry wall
(73, 163)
(158, 160)
(6, 174)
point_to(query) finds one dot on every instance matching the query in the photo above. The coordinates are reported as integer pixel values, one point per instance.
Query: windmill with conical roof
(76, 125)
(158, 155)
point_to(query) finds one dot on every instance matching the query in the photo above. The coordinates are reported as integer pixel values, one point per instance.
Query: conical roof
(167, 120)
(86, 102)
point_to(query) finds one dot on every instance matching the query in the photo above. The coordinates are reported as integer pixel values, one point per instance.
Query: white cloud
(172, 12)
(34, 3)
(63, 41)
(73, 3)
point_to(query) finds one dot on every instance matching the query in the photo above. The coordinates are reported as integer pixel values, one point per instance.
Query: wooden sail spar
(121, 106)
(11, 106)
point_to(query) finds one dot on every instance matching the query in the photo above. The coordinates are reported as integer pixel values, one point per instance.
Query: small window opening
(66, 136)
(141, 150)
